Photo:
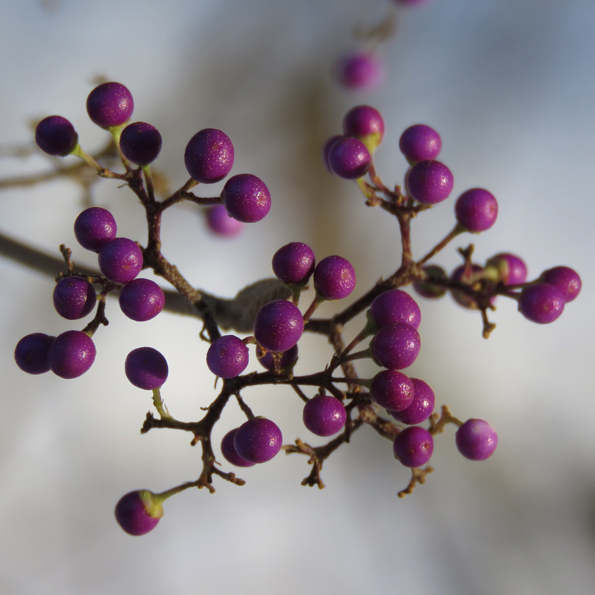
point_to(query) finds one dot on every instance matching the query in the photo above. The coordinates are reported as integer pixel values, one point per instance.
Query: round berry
(228, 450)
(392, 390)
(395, 305)
(141, 299)
(395, 346)
(566, 280)
(420, 143)
(219, 222)
(55, 135)
(94, 228)
(121, 260)
(209, 156)
(413, 446)
(146, 368)
(349, 158)
(428, 288)
(476, 210)
(542, 303)
(476, 439)
(421, 407)
(246, 198)
(140, 143)
(429, 182)
(360, 71)
(110, 104)
(512, 269)
(71, 354)
(258, 440)
(74, 298)
(294, 263)
(31, 353)
(327, 148)
(227, 356)
(278, 326)
(288, 359)
(334, 278)
(324, 415)
(138, 512)
(364, 123)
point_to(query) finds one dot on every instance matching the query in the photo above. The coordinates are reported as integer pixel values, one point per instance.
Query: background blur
(510, 87)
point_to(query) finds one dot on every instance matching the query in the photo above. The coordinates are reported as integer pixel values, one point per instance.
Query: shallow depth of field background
(510, 86)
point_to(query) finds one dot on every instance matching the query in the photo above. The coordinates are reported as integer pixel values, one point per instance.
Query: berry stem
(160, 405)
(457, 230)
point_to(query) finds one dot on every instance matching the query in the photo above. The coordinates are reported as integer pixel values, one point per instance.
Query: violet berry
(110, 104)
(55, 135)
(146, 368)
(420, 143)
(71, 354)
(476, 439)
(227, 356)
(476, 210)
(421, 407)
(74, 298)
(258, 440)
(366, 124)
(278, 326)
(140, 143)
(413, 446)
(360, 71)
(31, 353)
(324, 415)
(228, 450)
(542, 303)
(334, 278)
(392, 390)
(565, 279)
(141, 299)
(246, 198)
(326, 148)
(94, 228)
(428, 288)
(395, 305)
(429, 182)
(395, 346)
(294, 263)
(121, 260)
(138, 512)
(219, 222)
(511, 269)
(349, 158)
(209, 156)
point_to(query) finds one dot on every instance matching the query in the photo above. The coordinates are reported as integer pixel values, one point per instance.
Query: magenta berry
(326, 148)
(121, 260)
(140, 143)
(476, 439)
(110, 104)
(141, 299)
(364, 123)
(138, 512)
(94, 228)
(288, 359)
(395, 346)
(146, 368)
(476, 210)
(511, 268)
(428, 288)
(31, 353)
(395, 305)
(209, 156)
(227, 356)
(294, 263)
(278, 326)
(542, 303)
(246, 198)
(55, 135)
(334, 278)
(258, 440)
(360, 71)
(413, 446)
(71, 354)
(324, 415)
(74, 298)
(349, 158)
(565, 279)
(421, 407)
(219, 222)
(420, 143)
(429, 182)
(392, 390)
(228, 450)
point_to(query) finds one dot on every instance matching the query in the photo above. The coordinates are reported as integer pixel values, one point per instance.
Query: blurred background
(510, 87)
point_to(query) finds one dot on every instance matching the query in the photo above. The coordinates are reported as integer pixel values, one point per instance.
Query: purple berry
(219, 222)
(327, 148)
(228, 450)
(476, 439)
(121, 260)
(428, 289)
(288, 359)
(413, 446)
(360, 71)
(258, 440)
(566, 280)
(55, 135)
(294, 263)
(138, 512)
(421, 407)
(71, 354)
(511, 268)
(110, 104)
(392, 390)
(140, 143)
(141, 299)
(429, 182)
(476, 210)
(227, 356)
(209, 156)
(395, 305)
(146, 368)
(246, 198)
(420, 143)
(542, 303)
(94, 228)
(334, 278)
(395, 346)
(466, 276)
(74, 298)
(349, 158)
(31, 353)
(278, 326)
(364, 123)
(324, 415)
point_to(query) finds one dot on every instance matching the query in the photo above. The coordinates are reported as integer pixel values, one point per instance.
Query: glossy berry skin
(349, 158)
(278, 326)
(55, 135)
(429, 182)
(110, 104)
(392, 390)
(542, 303)
(360, 71)
(228, 450)
(421, 407)
(227, 356)
(428, 289)
(140, 143)
(324, 415)
(137, 513)
(146, 368)
(294, 263)
(420, 143)
(476, 210)
(258, 440)
(246, 198)
(288, 359)
(512, 269)
(566, 280)
(74, 298)
(327, 148)
(71, 354)
(395, 346)
(141, 299)
(31, 353)
(364, 123)
(334, 278)
(220, 223)
(121, 260)
(94, 228)
(395, 305)
(413, 446)
(209, 156)
(476, 439)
